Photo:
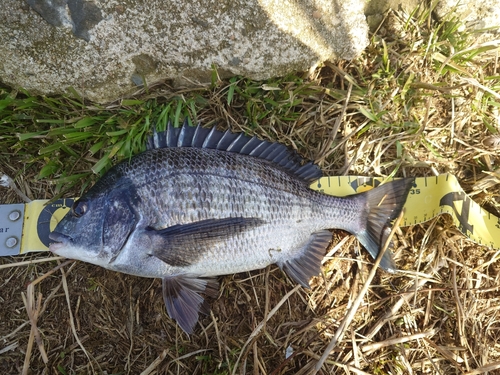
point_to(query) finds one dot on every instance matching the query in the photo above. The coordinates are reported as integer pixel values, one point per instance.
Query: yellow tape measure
(430, 196)
(41, 219)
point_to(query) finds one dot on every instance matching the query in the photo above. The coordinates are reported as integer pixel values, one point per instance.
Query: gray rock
(477, 14)
(80, 15)
(375, 9)
(105, 49)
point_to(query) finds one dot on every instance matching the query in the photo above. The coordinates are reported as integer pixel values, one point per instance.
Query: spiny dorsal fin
(196, 136)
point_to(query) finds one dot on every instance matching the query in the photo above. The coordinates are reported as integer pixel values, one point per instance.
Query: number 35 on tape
(26, 227)
(429, 197)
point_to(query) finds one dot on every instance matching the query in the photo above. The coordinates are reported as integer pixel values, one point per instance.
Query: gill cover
(119, 222)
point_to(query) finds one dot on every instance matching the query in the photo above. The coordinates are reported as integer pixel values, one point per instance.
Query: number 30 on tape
(430, 196)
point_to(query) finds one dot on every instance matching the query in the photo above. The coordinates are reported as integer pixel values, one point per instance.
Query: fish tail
(383, 205)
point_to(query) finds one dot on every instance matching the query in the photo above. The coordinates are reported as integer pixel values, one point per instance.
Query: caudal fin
(384, 204)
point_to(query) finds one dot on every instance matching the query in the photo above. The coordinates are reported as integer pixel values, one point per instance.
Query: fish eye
(79, 208)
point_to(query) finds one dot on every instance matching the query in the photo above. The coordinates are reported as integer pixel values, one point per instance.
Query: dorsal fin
(196, 136)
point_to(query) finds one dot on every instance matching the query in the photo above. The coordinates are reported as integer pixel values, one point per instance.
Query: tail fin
(383, 205)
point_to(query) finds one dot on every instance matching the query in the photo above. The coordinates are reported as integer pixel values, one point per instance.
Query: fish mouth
(61, 240)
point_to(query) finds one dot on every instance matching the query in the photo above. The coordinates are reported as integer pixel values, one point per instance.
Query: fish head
(95, 229)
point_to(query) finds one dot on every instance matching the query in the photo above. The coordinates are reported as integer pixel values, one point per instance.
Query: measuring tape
(26, 227)
(429, 197)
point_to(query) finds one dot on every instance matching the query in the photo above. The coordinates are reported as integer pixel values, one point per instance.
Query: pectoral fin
(182, 245)
(308, 263)
(182, 298)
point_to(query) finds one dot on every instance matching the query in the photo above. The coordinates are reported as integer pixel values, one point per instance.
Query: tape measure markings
(40, 219)
(429, 198)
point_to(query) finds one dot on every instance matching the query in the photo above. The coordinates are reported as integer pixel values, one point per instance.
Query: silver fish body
(278, 212)
(201, 203)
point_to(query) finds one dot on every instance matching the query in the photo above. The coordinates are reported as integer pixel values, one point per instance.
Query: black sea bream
(201, 203)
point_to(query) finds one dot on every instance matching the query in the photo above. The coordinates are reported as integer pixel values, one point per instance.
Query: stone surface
(80, 16)
(477, 14)
(104, 49)
(376, 9)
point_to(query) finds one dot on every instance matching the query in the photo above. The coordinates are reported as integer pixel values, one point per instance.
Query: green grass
(67, 140)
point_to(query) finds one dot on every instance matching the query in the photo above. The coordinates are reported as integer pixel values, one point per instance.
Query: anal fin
(183, 300)
(308, 263)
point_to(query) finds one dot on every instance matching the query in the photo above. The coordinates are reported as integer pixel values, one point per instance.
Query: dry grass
(420, 101)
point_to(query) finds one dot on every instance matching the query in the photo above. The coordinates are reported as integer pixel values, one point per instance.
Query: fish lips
(61, 240)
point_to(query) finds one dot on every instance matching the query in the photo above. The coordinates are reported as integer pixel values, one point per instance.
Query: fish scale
(201, 203)
(273, 199)
(232, 196)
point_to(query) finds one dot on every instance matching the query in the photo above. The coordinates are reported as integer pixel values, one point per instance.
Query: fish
(200, 203)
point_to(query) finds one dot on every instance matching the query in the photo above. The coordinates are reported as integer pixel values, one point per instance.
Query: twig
(34, 333)
(33, 314)
(474, 82)
(71, 320)
(367, 349)
(30, 262)
(327, 147)
(396, 307)
(335, 249)
(352, 311)
(8, 182)
(259, 327)
(454, 359)
(155, 363)
(184, 357)
(484, 369)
